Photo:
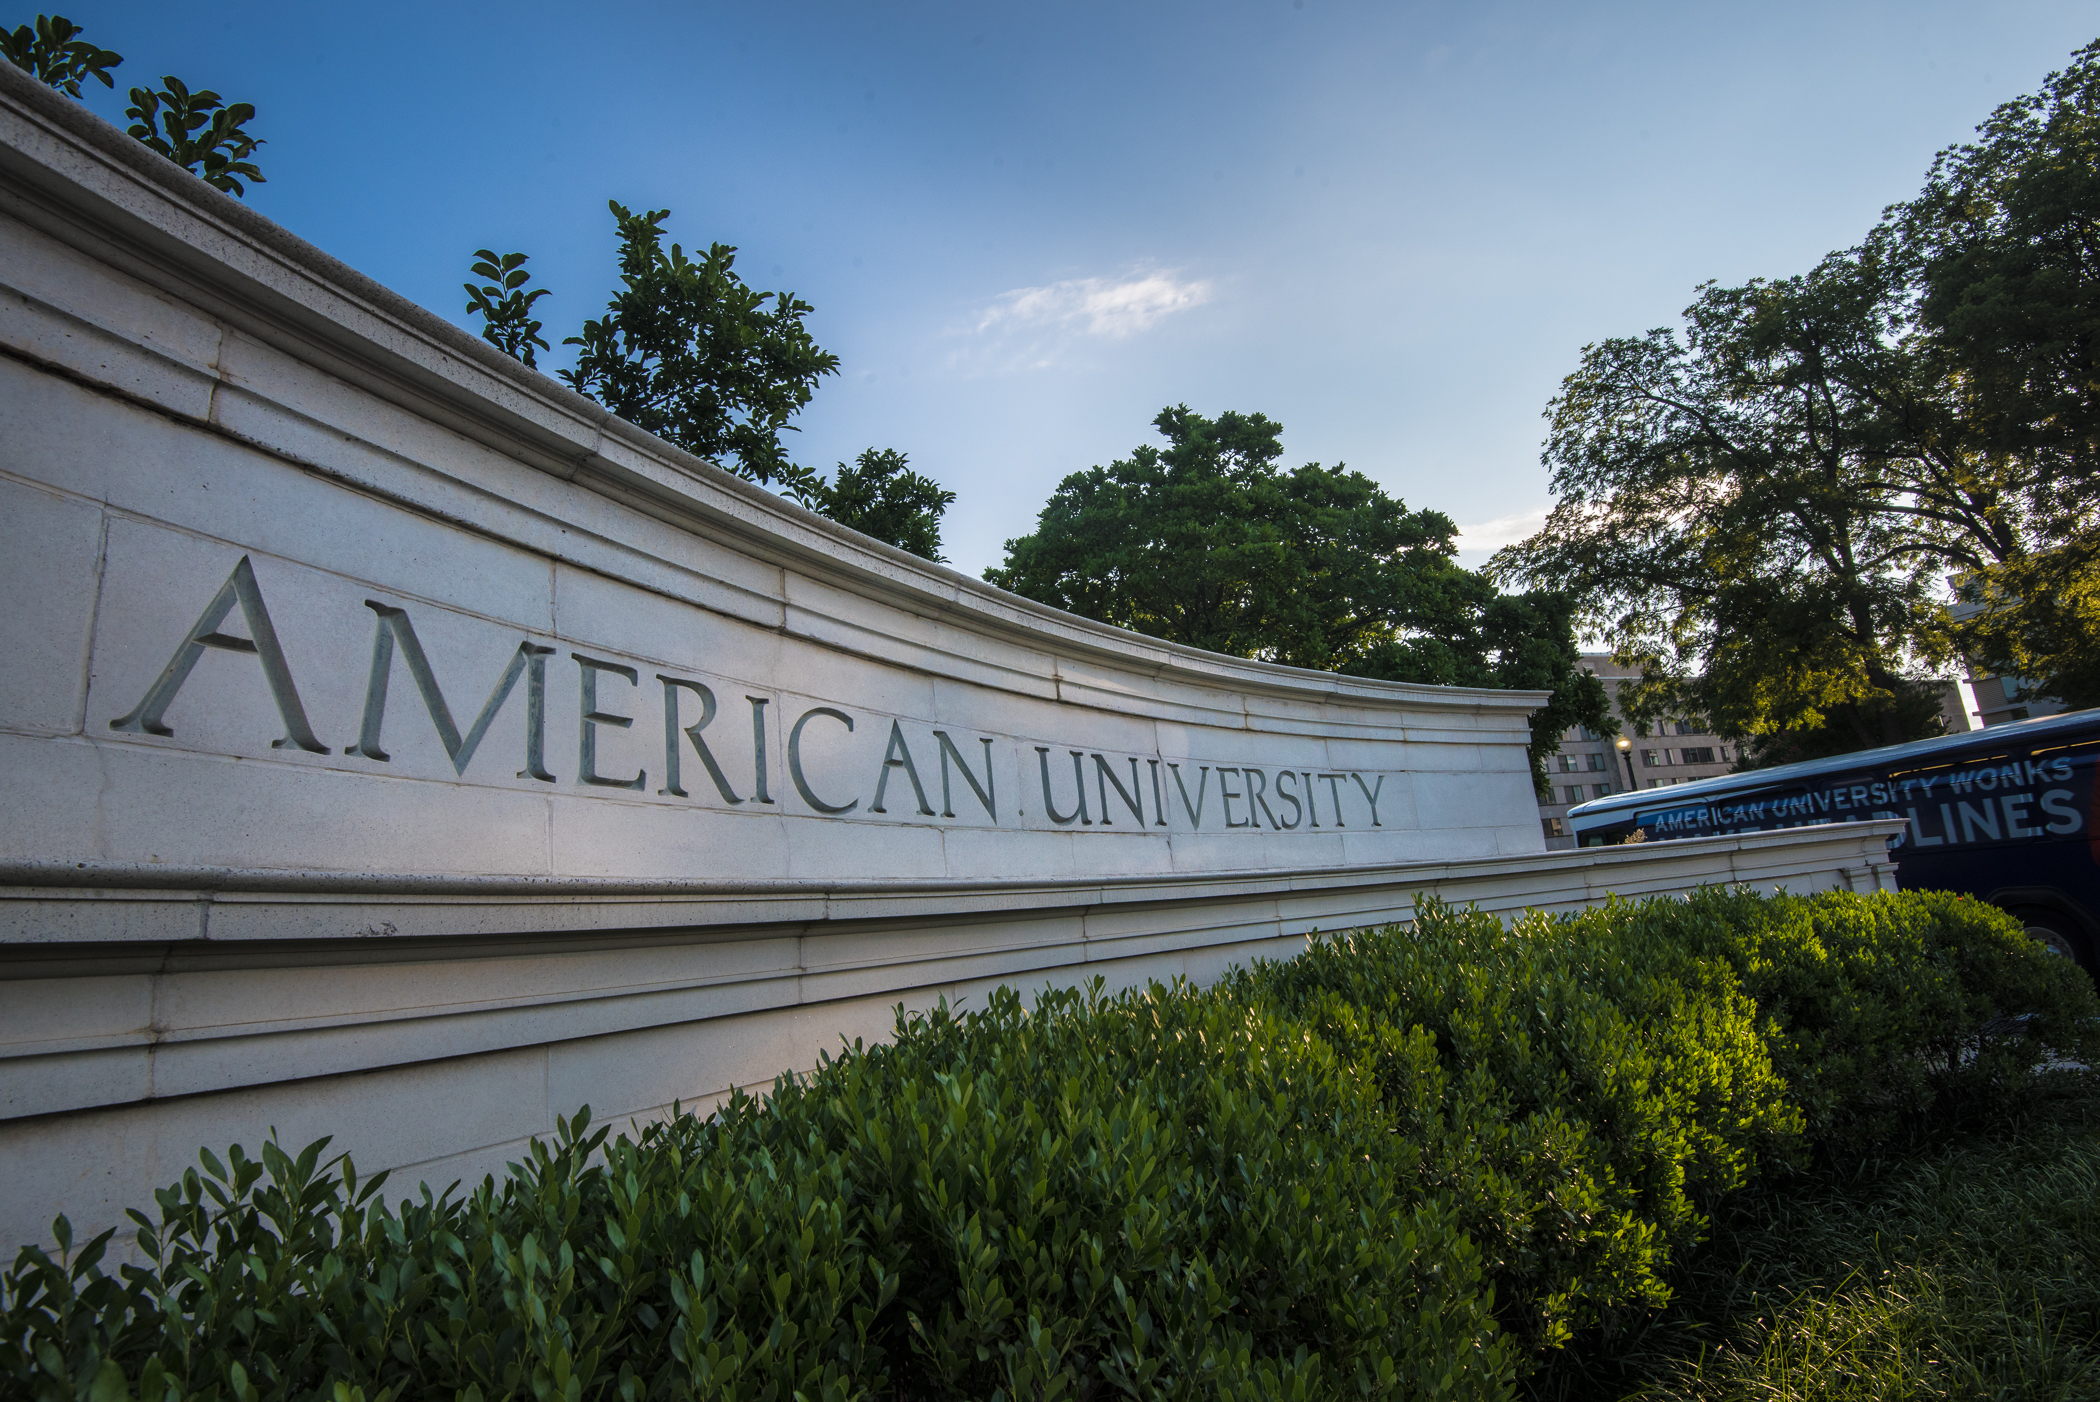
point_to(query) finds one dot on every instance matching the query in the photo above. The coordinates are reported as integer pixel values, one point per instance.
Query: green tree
(879, 495)
(1766, 513)
(1209, 542)
(1761, 512)
(2039, 618)
(2001, 253)
(690, 353)
(52, 52)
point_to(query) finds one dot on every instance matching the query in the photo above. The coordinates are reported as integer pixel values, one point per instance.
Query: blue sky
(1026, 228)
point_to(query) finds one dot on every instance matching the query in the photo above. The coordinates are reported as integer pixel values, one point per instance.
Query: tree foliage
(1766, 510)
(690, 353)
(2002, 249)
(879, 495)
(1209, 542)
(1756, 511)
(2002, 252)
(199, 130)
(52, 52)
(505, 307)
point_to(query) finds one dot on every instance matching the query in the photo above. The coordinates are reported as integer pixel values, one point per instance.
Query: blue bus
(2009, 815)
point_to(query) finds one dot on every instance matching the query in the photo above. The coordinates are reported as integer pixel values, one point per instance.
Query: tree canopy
(1766, 510)
(690, 353)
(879, 495)
(2002, 253)
(1209, 541)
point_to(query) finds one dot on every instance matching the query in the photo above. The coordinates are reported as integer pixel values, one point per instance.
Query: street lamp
(1626, 753)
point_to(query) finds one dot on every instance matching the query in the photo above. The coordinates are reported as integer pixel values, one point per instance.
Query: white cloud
(1490, 536)
(1096, 306)
(1477, 542)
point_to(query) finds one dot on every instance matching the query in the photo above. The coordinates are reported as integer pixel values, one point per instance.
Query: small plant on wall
(195, 128)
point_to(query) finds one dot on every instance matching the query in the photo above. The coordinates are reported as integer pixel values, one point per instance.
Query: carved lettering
(529, 661)
(1290, 796)
(1133, 797)
(1371, 796)
(240, 589)
(672, 686)
(984, 793)
(1334, 796)
(795, 757)
(587, 739)
(898, 756)
(758, 748)
(1194, 811)
(1279, 800)
(1258, 785)
(1042, 758)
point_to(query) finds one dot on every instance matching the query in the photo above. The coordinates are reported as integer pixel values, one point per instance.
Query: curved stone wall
(395, 745)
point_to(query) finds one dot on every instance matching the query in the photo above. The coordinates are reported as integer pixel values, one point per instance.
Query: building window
(1654, 758)
(1685, 727)
(1567, 764)
(1699, 754)
(1554, 828)
(1601, 790)
(1596, 761)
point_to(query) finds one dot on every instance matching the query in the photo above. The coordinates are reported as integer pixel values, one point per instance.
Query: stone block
(52, 544)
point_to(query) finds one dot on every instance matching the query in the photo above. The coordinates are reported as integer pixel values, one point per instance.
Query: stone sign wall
(394, 745)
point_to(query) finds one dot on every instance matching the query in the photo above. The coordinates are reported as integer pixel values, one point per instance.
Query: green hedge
(1410, 1163)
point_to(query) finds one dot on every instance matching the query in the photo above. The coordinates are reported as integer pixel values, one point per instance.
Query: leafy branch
(52, 53)
(505, 306)
(198, 131)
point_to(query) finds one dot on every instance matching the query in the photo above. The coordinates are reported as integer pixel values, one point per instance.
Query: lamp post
(1626, 753)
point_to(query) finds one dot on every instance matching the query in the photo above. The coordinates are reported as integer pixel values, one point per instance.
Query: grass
(1968, 1269)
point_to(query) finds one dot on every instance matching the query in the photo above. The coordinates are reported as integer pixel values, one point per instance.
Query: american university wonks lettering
(1996, 800)
(830, 771)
